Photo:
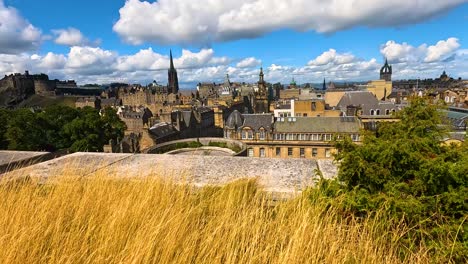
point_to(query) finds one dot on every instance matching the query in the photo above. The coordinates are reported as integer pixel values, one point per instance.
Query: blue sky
(306, 39)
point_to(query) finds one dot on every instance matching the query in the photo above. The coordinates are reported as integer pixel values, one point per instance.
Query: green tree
(86, 132)
(25, 131)
(4, 115)
(54, 119)
(405, 169)
(114, 127)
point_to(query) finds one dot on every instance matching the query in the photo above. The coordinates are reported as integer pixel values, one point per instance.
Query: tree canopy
(406, 170)
(59, 127)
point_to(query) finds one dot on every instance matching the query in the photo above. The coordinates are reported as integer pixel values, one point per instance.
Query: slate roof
(161, 130)
(234, 120)
(358, 98)
(111, 102)
(367, 101)
(256, 121)
(317, 125)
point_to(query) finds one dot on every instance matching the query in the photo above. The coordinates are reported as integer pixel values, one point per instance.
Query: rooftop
(317, 125)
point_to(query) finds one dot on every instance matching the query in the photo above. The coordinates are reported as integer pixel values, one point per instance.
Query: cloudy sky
(101, 41)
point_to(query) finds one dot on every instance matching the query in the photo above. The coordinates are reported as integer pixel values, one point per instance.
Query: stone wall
(205, 142)
(273, 175)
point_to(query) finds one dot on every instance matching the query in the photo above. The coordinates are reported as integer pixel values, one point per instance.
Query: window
(289, 137)
(378, 111)
(327, 153)
(262, 152)
(244, 134)
(314, 152)
(250, 152)
(304, 115)
(262, 134)
(355, 137)
(372, 112)
(328, 137)
(302, 152)
(250, 134)
(278, 151)
(387, 112)
(290, 152)
(314, 106)
(315, 137)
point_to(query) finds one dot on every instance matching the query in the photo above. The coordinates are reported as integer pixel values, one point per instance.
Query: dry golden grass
(103, 220)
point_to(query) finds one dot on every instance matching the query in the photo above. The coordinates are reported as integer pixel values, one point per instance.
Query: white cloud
(205, 21)
(332, 57)
(97, 65)
(406, 53)
(51, 61)
(16, 34)
(91, 61)
(248, 62)
(147, 59)
(72, 37)
(441, 50)
(396, 52)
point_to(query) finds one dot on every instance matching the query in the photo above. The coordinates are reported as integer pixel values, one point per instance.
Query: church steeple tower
(261, 97)
(262, 76)
(386, 72)
(173, 81)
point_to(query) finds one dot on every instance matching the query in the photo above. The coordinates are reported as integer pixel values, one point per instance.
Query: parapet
(286, 176)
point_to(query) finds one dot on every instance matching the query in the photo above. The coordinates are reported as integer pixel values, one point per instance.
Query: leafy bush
(404, 170)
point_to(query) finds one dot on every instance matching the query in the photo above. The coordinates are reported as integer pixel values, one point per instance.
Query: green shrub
(405, 172)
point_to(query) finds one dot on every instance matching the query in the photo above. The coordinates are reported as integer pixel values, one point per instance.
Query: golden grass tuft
(105, 220)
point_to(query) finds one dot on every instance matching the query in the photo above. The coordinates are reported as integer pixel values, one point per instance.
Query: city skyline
(130, 41)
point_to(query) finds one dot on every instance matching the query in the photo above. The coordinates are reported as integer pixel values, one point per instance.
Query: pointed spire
(172, 62)
(324, 87)
(261, 75)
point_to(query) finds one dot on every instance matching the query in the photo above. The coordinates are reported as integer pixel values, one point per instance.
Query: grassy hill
(43, 101)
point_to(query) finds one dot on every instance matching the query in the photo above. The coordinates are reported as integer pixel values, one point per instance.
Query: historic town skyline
(130, 41)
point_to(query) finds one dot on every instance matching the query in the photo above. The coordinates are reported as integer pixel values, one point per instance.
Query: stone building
(94, 102)
(370, 110)
(290, 137)
(17, 87)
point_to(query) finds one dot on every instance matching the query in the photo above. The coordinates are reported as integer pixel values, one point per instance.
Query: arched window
(262, 134)
(372, 112)
(387, 112)
(378, 111)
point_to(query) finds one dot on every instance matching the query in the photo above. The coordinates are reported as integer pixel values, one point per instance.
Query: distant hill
(44, 101)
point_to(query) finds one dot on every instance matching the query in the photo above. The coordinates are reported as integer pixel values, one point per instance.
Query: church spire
(172, 62)
(261, 75)
(173, 81)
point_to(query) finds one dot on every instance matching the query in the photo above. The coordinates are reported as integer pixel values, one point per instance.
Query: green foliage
(180, 145)
(25, 131)
(234, 148)
(54, 119)
(114, 127)
(405, 170)
(4, 114)
(59, 127)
